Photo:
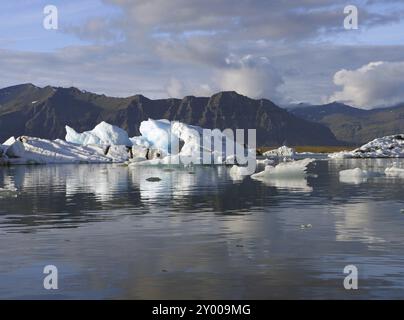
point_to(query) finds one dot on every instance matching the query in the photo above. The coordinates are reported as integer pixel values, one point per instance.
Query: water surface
(199, 233)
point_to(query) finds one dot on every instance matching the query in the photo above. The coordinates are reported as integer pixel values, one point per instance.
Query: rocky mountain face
(43, 112)
(353, 125)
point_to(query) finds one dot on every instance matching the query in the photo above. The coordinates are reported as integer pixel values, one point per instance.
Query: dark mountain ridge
(30, 110)
(353, 125)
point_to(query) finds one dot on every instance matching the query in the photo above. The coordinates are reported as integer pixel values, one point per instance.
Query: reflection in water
(115, 234)
(298, 184)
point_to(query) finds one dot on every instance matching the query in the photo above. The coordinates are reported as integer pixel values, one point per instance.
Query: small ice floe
(394, 172)
(353, 176)
(30, 150)
(285, 169)
(238, 172)
(265, 162)
(286, 175)
(8, 192)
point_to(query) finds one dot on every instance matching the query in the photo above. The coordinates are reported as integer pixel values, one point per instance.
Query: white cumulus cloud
(250, 76)
(373, 85)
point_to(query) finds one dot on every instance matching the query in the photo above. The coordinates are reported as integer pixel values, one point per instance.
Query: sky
(286, 51)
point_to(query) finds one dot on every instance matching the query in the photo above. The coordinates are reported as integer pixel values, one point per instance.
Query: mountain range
(43, 112)
(27, 109)
(352, 125)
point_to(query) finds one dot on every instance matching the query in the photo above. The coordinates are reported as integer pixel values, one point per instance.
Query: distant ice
(281, 152)
(385, 147)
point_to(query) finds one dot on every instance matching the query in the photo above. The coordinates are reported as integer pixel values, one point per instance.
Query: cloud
(250, 76)
(242, 20)
(97, 29)
(160, 48)
(372, 85)
(175, 88)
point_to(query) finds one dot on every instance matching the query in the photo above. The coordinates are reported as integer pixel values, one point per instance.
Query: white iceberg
(290, 169)
(357, 175)
(102, 134)
(179, 143)
(357, 172)
(42, 151)
(394, 172)
(353, 176)
(281, 152)
(385, 147)
(161, 142)
(239, 172)
(265, 162)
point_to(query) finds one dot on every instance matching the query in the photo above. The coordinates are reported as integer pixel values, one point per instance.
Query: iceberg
(290, 169)
(394, 172)
(161, 142)
(281, 152)
(357, 175)
(102, 134)
(41, 151)
(265, 162)
(385, 147)
(179, 143)
(238, 172)
(357, 172)
(353, 176)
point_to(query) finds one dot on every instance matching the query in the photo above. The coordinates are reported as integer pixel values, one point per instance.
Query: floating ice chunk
(357, 175)
(42, 151)
(353, 176)
(285, 169)
(394, 172)
(193, 144)
(281, 152)
(8, 193)
(385, 147)
(265, 161)
(357, 172)
(102, 134)
(239, 172)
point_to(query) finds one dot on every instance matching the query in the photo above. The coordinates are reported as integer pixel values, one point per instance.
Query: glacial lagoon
(200, 232)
